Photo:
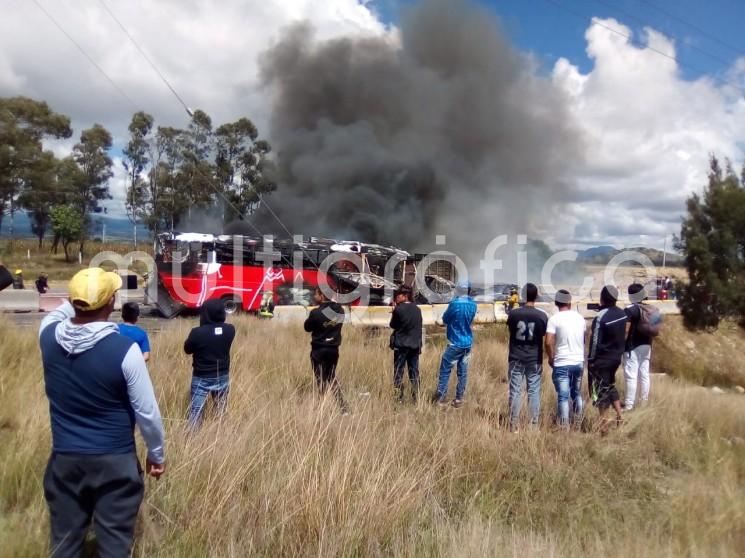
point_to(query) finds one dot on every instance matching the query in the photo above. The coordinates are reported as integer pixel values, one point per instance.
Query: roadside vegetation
(26, 254)
(284, 474)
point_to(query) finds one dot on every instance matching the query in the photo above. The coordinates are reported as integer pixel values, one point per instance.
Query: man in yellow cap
(98, 388)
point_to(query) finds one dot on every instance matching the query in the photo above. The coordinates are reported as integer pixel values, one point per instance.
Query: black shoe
(436, 397)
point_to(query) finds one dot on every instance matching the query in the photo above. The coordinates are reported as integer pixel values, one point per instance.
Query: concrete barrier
(19, 300)
(50, 301)
(290, 314)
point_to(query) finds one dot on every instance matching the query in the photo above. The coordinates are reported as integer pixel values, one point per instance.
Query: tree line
(170, 171)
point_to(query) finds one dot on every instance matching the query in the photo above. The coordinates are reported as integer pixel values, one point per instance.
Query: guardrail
(30, 301)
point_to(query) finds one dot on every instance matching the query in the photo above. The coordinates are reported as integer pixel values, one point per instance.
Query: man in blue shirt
(458, 318)
(130, 313)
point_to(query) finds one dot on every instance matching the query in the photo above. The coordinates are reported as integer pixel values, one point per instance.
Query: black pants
(602, 382)
(403, 358)
(324, 361)
(104, 489)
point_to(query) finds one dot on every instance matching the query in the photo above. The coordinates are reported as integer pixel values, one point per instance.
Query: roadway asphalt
(150, 322)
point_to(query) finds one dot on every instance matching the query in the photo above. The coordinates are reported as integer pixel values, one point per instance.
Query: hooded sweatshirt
(209, 344)
(98, 388)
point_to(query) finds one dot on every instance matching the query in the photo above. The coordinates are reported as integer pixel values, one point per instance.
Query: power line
(145, 56)
(635, 18)
(736, 50)
(188, 110)
(596, 21)
(84, 53)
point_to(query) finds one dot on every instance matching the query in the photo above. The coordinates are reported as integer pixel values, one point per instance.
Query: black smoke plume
(442, 128)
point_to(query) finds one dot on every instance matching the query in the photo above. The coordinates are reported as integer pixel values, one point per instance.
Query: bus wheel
(232, 305)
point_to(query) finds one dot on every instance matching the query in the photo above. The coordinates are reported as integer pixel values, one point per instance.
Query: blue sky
(647, 124)
(708, 35)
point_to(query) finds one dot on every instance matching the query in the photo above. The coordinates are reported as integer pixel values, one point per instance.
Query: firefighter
(18, 279)
(266, 310)
(514, 300)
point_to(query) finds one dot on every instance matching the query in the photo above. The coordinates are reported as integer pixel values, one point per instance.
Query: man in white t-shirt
(565, 347)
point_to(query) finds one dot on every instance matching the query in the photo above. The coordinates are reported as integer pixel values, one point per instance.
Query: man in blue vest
(98, 388)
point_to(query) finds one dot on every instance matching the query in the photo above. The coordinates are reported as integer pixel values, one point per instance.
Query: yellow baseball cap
(92, 288)
(19, 271)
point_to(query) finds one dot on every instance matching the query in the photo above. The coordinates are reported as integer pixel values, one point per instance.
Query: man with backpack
(645, 321)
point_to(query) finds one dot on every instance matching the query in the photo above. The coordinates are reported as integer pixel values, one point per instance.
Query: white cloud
(207, 50)
(648, 131)
(649, 134)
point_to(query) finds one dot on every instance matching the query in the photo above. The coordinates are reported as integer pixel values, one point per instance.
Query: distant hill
(604, 254)
(117, 228)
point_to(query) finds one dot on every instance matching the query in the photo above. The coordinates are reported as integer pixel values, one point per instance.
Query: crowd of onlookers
(98, 385)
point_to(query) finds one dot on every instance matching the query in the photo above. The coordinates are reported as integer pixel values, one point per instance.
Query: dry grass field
(284, 474)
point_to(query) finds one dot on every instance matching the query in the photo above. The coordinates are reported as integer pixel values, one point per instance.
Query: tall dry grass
(284, 474)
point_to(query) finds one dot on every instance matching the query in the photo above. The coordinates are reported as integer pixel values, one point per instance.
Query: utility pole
(664, 253)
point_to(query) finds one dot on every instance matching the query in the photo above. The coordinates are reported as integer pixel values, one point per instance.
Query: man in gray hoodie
(98, 388)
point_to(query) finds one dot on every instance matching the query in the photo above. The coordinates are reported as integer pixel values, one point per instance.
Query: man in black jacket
(406, 341)
(209, 344)
(324, 323)
(607, 344)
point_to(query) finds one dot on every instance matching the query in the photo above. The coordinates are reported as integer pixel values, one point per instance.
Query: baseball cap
(92, 288)
(19, 271)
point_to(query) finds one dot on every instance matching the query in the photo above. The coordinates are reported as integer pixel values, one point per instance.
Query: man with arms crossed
(565, 347)
(98, 387)
(527, 326)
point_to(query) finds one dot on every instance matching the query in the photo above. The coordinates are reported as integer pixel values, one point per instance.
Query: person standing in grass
(527, 327)
(209, 344)
(324, 324)
(406, 342)
(607, 344)
(98, 388)
(130, 314)
(638, 345)
(565, 347)
(458, 318)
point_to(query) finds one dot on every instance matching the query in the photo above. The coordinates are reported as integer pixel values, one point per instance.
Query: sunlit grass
(284, 474)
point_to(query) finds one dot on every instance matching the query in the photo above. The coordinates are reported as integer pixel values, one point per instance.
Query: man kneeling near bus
(98, 388)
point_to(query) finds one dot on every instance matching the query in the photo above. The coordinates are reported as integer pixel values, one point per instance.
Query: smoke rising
(443, 128)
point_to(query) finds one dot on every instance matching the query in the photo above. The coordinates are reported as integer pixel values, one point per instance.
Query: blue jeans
(521, 373)
(568, 381)
(460, 357)
(201, 388)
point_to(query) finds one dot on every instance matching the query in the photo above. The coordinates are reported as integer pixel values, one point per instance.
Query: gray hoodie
(76, 339)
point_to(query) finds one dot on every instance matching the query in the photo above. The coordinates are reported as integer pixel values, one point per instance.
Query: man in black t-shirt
(638, 350)
(527, 327)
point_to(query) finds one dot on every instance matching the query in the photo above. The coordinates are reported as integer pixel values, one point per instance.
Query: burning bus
(242, 270)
